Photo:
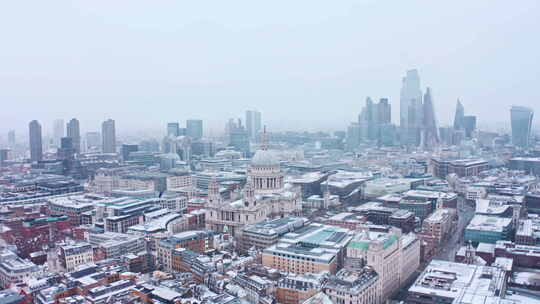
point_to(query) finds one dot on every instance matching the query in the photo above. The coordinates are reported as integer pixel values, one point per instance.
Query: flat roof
(489, 223)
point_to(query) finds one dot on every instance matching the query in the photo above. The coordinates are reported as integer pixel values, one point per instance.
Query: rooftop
(489, 223)
(463, 282)
(277, 226)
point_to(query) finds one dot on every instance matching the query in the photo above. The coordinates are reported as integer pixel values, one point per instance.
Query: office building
(173, 129)
(75, 255)
(11, 139)
(127, 150)
(488, 229)
(4, 153)
(238, 138)
(93, 140)
(194, 128)
(36, 145)
(353, 136)
(265, 234)
(195, 241)
(14, 270)
(469, 122)
(253, 123)
(362, 286)
(66, 151)
(58, 131)
(296, 288)
(462, 167)
(73, 131)
(112, 245)
(388, 252)
(430, 136)
(449, 282)
(372, 119)
(72, 206)
(108, 134)
(314, 248)
(521, 121)
(459, 116)
(410, 108)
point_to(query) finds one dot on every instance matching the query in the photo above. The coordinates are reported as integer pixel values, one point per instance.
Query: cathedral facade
(265, 196)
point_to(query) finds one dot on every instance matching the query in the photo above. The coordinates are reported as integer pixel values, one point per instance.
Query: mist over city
(240, 152)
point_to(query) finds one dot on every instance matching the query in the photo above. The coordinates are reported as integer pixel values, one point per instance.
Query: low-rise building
(314, 248)
(196, 241)
(461, 167)
(296, 288)
(14, 270)
(114, 245)
(528, 232)
(488, 229)
(363, 286)
(265, 234)
(378, 214)
(437, 228)
(449, 282)
(185, 260)
(74, 255)
(72, 206)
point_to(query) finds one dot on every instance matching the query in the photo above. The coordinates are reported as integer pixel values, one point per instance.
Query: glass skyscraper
(521, 121)
(36, 146)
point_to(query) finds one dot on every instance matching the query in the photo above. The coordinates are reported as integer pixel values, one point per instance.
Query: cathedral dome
(265, 158)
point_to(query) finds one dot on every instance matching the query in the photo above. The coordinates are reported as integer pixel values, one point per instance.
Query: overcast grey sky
(303, 63)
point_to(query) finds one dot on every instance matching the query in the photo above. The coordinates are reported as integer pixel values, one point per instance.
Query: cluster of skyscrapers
(418, 123)
(193, 129)
(72, 139)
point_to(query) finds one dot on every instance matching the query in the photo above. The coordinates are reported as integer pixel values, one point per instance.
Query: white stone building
(265, 196)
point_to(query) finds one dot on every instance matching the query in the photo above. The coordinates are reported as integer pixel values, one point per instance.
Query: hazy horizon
(304, 64)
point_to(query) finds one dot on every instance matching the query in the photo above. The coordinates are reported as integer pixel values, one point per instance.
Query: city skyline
(244, 152)
(337, 76)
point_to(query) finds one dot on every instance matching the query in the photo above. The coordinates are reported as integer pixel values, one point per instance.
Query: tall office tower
(74, 132)
(230, 125)
(58, 131)
(459, 116)
(370, 116)
(384, 111)
(173, 129)
(108, 136)
(253, 123)
(4, 155)
(36, 146)
(353, 136)
(469, 123)
(385, 128)
(238, 138)
(430, 136)
(410, 108)
(93, 140)
(11, 139)
(194, 128)
(363, 124)
(66, 149)
(127, 149)
(521, 121)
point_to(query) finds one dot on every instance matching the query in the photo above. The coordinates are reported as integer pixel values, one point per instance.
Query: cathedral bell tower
(214, 196)
(249, 195)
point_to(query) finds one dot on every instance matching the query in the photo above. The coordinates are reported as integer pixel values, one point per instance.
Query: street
(450, 248)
